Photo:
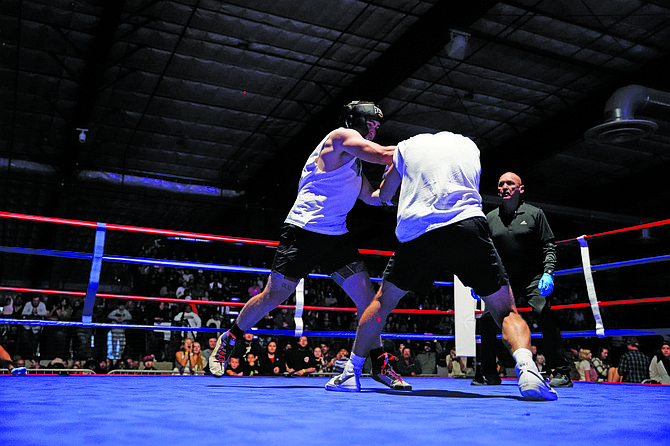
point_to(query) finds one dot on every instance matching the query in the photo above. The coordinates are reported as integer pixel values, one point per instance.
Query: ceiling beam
(422, 41)
(522, 153)
(86, 97)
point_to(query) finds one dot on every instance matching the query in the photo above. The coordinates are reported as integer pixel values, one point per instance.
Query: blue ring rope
(317, 333)
(247, 269)
(161, 262)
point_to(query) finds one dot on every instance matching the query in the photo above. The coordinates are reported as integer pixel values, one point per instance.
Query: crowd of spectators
(103, 349)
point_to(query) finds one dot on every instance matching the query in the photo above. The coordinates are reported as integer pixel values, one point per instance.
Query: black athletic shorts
(300, 251)
(464, 249)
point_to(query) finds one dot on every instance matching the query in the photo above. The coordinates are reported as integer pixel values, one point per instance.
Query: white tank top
(440, 183)
(325, 198)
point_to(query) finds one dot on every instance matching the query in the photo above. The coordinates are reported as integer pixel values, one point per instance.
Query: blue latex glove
(546, 284)
(474, 296)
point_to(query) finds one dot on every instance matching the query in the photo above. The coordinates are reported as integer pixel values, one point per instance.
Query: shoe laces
(221, 352)
(386, 368)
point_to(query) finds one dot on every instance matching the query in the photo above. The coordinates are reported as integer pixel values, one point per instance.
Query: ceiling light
(82, 135)
(457, 45)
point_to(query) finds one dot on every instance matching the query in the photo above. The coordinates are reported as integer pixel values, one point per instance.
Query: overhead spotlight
(457, 45)
(82, 135)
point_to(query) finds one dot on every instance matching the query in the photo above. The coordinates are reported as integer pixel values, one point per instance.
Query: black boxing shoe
(486, 380)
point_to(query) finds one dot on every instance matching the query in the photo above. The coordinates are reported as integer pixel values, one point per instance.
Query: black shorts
(464, 249)
(300, 251)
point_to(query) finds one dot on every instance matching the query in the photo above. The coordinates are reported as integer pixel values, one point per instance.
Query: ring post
(94, 278)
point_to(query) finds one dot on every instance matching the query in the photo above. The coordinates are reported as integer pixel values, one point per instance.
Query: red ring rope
(309, 307)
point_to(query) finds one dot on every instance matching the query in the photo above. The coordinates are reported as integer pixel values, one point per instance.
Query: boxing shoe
(389, 377)
(348, 381)
(486, 380)
(218, 360)
(531, 384)
(561, 378)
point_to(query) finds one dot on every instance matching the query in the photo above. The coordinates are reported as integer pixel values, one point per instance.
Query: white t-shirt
(440, 182)
(325, 198)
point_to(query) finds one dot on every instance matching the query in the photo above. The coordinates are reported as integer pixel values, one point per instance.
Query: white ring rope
(299, 306)
(590, 286)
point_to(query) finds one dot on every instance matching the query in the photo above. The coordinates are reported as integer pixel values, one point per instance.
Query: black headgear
(355, 114)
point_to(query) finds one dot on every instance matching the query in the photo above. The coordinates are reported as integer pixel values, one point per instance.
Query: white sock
(524, 359)
(357, 361)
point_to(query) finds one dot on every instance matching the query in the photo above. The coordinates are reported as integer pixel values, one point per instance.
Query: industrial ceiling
(198, 115)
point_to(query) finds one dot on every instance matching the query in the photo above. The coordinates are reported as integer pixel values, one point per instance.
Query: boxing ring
(120, 409)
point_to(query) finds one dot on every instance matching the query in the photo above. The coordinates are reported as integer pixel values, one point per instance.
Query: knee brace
(347, 271)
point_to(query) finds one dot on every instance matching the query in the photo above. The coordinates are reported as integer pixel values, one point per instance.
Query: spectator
(57, 363)
(249, 344)
(251, 366)
(8, 307)
(198, 361)
(92, 365)
(29, 337)
(660, 365)
(407, 365)
(284, 320)
(601, 364)
(105, 366)
(19, 362)
(159, 340)
(541, 363)
(211, 343)
(455, 364)
(300, 360)
(215, 321)
(56, 338)
(633, 365)
(81, 342)
(234, 368)
(6, 362)
(132, 364)
(187, 318)
(256, 288)
(267, 323)
(338, 362)
(326, 352)
(427, 359)
(320, 362)
(35, 364)
(584, 366)
(119, 316)
(271, 362)
(149, 362)
(61, 311)
(185, 361)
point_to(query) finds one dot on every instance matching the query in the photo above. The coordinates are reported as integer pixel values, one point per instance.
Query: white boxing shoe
(532, 386)
(348, 381)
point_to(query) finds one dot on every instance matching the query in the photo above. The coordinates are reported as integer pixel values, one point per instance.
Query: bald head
(510, 189)
(510, 176)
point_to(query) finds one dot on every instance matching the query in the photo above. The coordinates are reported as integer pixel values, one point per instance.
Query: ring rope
(319, 333)
(313, 307)
(590, 286)
(246, 240)
(96, 267)
(101, 227)
(299, 307)
(139, 229)
(618, 231)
